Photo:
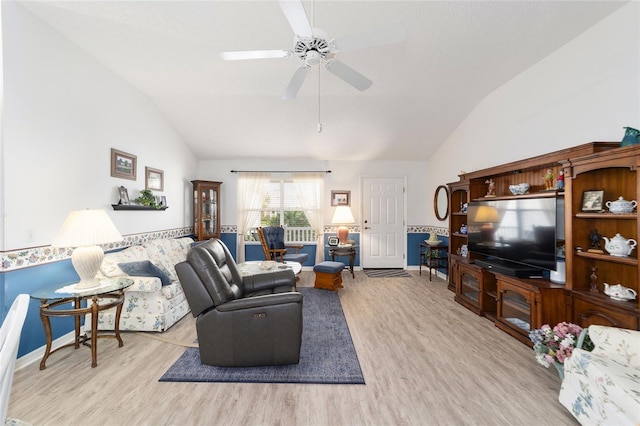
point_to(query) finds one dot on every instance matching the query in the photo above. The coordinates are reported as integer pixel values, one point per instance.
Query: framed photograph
(124, 196)
(154, 179)
(592, 201)
(333, 241)
(123, 165)
(340, 198)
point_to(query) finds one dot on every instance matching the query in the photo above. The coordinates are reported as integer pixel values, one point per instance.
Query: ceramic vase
(631, 137)
(560, 368)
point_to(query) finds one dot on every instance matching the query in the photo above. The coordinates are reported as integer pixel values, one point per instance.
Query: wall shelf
(137, 207)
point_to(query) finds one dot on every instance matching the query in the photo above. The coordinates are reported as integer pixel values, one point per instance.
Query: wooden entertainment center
(517, 305)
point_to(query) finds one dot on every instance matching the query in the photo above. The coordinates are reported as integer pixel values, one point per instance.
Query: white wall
(345, 175)
(586, 91)
(63, 111)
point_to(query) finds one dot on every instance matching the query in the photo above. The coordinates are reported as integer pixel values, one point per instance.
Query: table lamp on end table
(84, 230)
(342, 216)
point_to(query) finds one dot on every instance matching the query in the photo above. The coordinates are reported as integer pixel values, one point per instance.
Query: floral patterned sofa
(603, 387)
(148, 304)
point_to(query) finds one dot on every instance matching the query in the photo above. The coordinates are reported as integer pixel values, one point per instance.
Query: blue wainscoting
(344, 259)
(30, 279)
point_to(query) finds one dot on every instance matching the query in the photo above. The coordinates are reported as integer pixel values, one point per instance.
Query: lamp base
(343, 234)
(86, 261)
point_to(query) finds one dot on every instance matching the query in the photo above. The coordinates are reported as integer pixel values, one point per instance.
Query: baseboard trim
(36, 355)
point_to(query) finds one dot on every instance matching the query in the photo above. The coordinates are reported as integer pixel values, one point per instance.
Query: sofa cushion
(109, 267)
(166, 253)
(144, 268)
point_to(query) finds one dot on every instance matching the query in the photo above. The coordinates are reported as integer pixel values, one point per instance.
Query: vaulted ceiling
(455, 54)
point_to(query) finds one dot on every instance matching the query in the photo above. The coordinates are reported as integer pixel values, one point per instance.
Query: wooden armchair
(274, 247)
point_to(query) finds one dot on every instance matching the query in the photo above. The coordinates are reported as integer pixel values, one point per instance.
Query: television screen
(525, 230)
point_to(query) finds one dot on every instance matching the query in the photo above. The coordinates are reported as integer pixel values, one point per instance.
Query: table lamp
(342, 216)
(84, 230)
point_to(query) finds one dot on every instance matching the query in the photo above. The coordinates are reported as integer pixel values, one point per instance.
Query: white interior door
(382, 242)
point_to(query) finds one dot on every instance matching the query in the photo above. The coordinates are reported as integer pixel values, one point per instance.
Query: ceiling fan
(314, 46)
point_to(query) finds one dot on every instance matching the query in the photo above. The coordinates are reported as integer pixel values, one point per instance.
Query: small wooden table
(55, 296)
(433, 257)
(349, 251)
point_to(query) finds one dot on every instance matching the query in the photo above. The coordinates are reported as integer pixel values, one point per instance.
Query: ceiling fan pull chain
(319, 121)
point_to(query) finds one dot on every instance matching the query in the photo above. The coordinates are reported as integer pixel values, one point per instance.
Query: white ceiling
(455, 54)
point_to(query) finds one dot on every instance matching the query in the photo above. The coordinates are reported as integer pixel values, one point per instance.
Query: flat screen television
(524, 231)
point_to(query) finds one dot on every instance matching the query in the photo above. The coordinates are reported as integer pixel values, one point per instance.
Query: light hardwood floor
(426, 361)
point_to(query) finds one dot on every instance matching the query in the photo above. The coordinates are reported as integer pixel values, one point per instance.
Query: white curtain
(309, 189)
(251, 187)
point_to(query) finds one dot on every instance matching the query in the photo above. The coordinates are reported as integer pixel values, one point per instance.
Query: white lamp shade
(342, 215)
(86, 228)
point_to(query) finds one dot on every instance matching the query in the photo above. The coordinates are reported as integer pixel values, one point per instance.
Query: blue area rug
(327, 354)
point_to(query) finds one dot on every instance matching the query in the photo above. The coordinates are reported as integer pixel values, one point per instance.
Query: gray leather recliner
(241, 321)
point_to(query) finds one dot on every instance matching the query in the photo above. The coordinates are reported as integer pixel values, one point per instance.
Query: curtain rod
(280, 171)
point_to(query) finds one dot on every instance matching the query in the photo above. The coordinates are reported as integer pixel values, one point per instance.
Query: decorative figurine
(594, 278)
(491, 190)
(594, 242)
(548, 179)
(560, 182)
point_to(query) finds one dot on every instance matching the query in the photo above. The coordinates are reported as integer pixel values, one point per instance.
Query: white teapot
(619, 246)
(619, 292)
(621, 205)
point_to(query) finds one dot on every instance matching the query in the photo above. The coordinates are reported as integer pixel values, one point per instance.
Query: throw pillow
(145, 268)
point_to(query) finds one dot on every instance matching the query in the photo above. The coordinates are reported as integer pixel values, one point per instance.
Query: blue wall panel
(29, 280)
(60, 273)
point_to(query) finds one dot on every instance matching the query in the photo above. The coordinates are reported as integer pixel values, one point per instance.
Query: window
(281, 206)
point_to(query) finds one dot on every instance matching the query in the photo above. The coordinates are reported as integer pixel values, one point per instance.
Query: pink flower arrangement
(555, 345)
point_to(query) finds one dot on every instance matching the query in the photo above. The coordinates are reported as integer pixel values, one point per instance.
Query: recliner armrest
(260, 301)
(270, 280)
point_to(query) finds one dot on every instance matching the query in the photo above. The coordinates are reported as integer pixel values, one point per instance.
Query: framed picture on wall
(123, 165)
(154, 179)
(340, 198)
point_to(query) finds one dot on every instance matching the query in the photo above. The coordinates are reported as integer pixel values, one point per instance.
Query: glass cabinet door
(469, 286)
(209, 218)
(515, 308)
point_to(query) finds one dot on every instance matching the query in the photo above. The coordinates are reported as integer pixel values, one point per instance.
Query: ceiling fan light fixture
(314, 46)
(313, 58)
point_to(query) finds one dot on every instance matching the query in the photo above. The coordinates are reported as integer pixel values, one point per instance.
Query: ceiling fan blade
(296, 83)
(297, 17)
(254, 54)
(393, 33)
(349, 75)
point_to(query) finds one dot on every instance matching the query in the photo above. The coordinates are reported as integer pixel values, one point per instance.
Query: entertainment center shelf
(517, 305)
(607, 258)
(541, 194)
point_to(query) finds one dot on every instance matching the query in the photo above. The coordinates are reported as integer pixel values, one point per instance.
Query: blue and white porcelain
(519, 189)
(621, 205)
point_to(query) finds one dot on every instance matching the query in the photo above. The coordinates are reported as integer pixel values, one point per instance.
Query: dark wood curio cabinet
(206, 209)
